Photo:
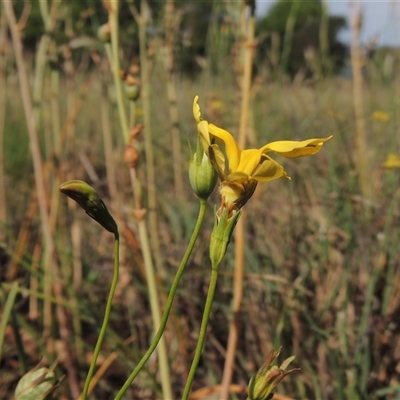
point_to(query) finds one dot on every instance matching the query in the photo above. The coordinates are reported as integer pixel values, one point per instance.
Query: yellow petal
(293, 149)
(236, 192)
(232, 149)
(392, 161)
(269, 170)
(196, 109)
(218, 160)
(249, 161)
(237, 176)
(202, 128)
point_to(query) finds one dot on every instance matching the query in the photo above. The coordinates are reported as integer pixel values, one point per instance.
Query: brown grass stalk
(139, 212)
(170, 24)
(3, 64)
(356, 66)
(148, 144)
(39, 183)
(240, 228)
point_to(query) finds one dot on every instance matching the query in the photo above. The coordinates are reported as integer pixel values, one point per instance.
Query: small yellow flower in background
(264, 382)
(381, 116)
(392, 161)
(138, 111)
(241, 170)
(217, 104)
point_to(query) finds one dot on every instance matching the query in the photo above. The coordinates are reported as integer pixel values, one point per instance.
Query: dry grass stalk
(3, 64)
(171, 26)
(356, 65)
(139, 212)
(249, 29)
(33, 282)
(147, 133)
(39, 182)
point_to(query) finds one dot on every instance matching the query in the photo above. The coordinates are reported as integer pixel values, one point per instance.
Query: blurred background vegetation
(322, 260)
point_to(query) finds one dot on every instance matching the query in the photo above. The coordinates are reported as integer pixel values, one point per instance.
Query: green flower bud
(132, 91)
(221, 235)
(104, 33)
(36, 385)
(202, 175)
(90, 201)
(264, 382)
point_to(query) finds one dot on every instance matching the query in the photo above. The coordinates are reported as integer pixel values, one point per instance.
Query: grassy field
(322, 262)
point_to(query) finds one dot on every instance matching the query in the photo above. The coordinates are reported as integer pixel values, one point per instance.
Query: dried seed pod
(131, 156)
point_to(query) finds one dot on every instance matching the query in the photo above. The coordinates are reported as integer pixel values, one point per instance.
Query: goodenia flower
(241, 170)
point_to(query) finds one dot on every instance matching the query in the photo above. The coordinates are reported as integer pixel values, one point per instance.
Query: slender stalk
(143, 234)
(324, 39)
(7, 313)
(170, 299)
(108, 147)
(37, 96)
(356, 65)
(105, 320)
(288, 38)
(168, 59)
(3, 64)
(115, 65)
(240, 228)
(154, 304)
(150, 171)
(39, 182)
(203, 331)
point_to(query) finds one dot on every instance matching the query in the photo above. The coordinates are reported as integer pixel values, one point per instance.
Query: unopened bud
(132, 88)
(90, 201)
(36, 384)
(264, 382)
(221, 236)
(104, 33)
(202, 175)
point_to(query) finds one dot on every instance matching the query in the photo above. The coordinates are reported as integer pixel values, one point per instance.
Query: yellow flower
(381, 116)
(392, 161)
(240, 170)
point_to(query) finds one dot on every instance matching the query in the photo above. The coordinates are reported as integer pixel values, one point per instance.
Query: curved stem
(174, 286)
(105, 321)
(202, 333)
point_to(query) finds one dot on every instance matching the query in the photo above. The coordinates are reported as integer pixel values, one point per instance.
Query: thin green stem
(113, 18)
(143, 234)
(203, 331)
(7, 312)
(174, 286)
(105, 320)
(148, 142)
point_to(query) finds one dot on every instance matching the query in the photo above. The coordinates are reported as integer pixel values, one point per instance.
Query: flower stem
(202, 333)
(174, 286)
(105, 321)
